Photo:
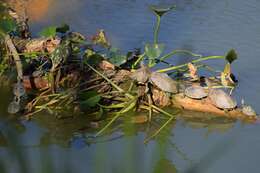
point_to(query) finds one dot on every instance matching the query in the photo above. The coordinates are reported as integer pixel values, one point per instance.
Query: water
(207, 27)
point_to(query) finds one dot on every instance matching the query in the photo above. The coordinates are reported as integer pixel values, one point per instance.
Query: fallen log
(179, 101)
(204, 105)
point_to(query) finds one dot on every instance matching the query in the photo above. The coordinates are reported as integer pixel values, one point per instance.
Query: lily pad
(231, 56)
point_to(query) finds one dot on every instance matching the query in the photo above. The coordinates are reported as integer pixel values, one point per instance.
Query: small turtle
(220, 98)
(19, 89)
(141, 75)
(164, 82)
(13, 107)
(247, 109)
(195, 92)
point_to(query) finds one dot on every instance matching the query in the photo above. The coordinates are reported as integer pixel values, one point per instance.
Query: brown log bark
(34, 83)
(204, 105)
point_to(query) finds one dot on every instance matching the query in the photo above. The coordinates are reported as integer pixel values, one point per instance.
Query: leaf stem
(179, 51)
(157, 28)
(194, 61)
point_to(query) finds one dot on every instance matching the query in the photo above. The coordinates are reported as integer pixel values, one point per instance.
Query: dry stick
(12, 49)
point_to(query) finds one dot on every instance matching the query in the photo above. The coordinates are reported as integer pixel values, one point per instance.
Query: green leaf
(63, 28)
(231, 56)
(7, 25)
(116, 57)
(160, 10)
(89, 98)
(154, 51)
(49, 32)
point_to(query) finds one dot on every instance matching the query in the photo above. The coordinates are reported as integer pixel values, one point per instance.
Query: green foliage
(49, 31)
(231, 56)
(116, 57)
(89, 98)
(7, 25)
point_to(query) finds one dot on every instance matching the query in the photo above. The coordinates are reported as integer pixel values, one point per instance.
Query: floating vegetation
(64, 71)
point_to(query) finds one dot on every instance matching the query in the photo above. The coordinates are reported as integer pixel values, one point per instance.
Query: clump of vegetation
(65, 71)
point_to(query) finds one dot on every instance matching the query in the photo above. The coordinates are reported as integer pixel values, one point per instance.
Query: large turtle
(195, 92)
(164, 82)
(220, 98)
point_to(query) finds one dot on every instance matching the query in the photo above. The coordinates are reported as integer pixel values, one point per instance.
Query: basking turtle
(19, 89)
(247, 109)
(141, 75)
(220, 98)
(195, 92)
(164, 82)
(13, 107)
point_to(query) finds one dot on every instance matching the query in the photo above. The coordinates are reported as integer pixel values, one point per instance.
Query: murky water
(207, 27)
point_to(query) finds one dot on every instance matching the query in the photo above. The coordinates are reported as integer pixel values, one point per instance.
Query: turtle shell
(141, 75)
(164, 82)
(221, 99)
(195, 92)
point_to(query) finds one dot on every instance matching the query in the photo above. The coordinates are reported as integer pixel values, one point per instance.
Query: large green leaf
(49, 31)
(116, 57)
(89, 98)
(154, 51)
(231, 56)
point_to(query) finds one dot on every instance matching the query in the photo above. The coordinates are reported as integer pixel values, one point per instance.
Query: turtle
(220, 98)
(18, 89)
(195, 92)
(164, 82)
(247, 109)
(142, 74)
(13, 107)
